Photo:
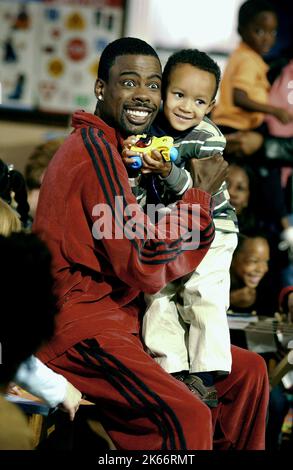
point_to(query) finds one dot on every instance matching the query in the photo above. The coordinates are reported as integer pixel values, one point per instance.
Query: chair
(52, 429)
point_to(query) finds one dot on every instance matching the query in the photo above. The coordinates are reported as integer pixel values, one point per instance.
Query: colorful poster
(73, 36)
(49, 51)
(18, 51)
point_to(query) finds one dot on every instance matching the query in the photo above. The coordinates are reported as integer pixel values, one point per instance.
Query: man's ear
(99, 89)
(211, 106)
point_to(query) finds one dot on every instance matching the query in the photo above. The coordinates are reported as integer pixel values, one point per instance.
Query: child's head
(35, 170)
(9, 219)
(189, 85)
(250, 260)
(257, 25)
(238, 187)
(28, 306)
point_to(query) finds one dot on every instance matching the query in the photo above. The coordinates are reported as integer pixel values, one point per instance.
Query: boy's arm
(179, 179)
(242, 100)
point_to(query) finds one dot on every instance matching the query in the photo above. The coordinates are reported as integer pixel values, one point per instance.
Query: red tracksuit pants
(145, 408)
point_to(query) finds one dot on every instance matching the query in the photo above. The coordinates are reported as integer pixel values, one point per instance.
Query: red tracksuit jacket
(98, 281)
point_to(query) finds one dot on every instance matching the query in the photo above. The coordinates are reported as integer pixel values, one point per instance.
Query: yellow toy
(146, 144)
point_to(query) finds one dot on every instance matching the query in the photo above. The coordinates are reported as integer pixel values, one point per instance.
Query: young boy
(189, 86)
(244, 91)
(249, 265)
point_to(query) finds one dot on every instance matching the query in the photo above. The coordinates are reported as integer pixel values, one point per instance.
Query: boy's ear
(99, 89)
(211, 106)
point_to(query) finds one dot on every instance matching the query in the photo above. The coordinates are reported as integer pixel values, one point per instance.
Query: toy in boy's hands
(146, 144)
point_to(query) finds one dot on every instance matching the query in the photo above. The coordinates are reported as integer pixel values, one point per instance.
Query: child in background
(242, 107)
(238, 187)
(244, 103)
(240, 183)
(248, 267)
(32, 374)
(189, 86)
(35, 170)
(244, 91)
(28, 309)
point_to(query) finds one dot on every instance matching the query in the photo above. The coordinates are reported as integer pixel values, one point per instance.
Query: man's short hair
(119, 47)
(250, 9)
(195, 58)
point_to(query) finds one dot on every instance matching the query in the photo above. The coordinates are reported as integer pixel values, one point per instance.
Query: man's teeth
(137, 113)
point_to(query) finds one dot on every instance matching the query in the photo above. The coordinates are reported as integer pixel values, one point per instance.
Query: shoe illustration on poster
(17, 93)
(9, 52)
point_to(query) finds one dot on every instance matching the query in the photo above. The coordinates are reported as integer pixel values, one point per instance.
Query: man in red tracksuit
(98, 278)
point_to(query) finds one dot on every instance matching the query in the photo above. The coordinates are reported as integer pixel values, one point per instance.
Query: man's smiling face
(132, 95)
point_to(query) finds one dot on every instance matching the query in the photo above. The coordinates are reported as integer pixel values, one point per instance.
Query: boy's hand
(155, 163)
(283, 115)
(209, 173)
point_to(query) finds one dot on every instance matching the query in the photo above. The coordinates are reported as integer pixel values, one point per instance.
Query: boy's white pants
(202, 300)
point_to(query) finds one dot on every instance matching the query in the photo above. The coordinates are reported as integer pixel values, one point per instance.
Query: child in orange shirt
(244, 89)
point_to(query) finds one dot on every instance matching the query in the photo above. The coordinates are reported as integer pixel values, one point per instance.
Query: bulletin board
(18, 51)
(50, 60)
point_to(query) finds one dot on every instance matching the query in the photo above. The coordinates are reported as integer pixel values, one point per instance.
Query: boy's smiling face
(238, 187)
(260, 33)
(250, 264)
(189, 96)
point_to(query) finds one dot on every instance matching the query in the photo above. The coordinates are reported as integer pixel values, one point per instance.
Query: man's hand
(209, 173)
(126, 152)
(71, 402)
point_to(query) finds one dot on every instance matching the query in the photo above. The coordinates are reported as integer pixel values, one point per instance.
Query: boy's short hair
(194, 57)
(9, 219)
(252, 236)
(250, 9)
(38, 162)
(119, 47)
